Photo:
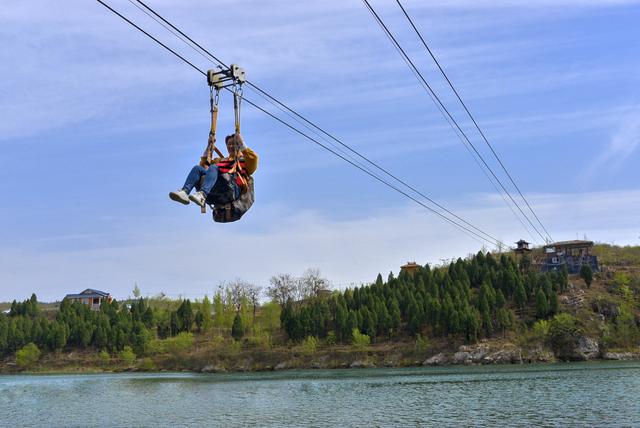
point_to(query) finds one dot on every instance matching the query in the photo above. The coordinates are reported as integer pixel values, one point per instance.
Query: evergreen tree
(174, 324)
(506, 319)
(287, 318)
(205, 308)
(237, 330)
(394, 316)
(218, 311)
(520, 295)
(564, 278)
(546, 284)
(542, 304)
(500, 299)
(199, 319)
(185, 316)
(485, 313)
(586, 274)
(148, 317)
(341, 327)
(554, 304)
(352, 321)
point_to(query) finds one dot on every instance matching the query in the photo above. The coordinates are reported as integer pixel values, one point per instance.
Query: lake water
(580, 394)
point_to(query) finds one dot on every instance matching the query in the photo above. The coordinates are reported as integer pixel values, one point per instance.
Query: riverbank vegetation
(492, 300)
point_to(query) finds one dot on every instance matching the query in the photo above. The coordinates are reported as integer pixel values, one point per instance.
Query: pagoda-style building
(410, 268)
(522, 247)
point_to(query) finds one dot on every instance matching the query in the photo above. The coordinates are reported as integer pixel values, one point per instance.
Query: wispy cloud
(173, 258)
(623, 144)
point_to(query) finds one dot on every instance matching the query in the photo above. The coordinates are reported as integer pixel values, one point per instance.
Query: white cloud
(189, 255)
(82, 64)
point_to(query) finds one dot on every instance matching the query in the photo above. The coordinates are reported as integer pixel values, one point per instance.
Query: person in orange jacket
(223, 177)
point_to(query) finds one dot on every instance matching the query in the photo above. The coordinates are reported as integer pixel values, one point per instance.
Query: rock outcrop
(213, 368)
(244, 365)
(539, 355)
(504, 356)
(436, 360)
(284, 365)
(586, 349)
(393, 360)
(360, 364)
(478, 354)
(470, 354)
(624, 356)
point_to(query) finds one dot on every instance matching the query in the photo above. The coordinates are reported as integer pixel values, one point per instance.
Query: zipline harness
(232, 168)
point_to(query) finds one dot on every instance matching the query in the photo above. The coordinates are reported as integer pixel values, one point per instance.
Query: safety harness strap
(238, 165)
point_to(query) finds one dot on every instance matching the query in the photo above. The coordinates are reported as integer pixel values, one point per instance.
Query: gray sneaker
(198, 198)
(180, 196)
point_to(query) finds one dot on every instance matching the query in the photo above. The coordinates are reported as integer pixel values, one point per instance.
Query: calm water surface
(581, 394)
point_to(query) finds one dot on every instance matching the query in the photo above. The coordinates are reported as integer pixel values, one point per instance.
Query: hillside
(484, 309)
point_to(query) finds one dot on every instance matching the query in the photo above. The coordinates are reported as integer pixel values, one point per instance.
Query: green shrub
(360, 341)
(260, 339)
(621, 282)
(27, 356)
(563, 335)
(156, 347)
(104, 357)
(179, 344)
(127, 355)
(146, 364)
(623, 333)
(422, 344)
(540, 330)
(331, 338)
(309, 345)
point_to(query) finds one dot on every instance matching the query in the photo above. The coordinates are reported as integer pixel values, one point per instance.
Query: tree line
(479, 297)
(482, 296)
(112, 328)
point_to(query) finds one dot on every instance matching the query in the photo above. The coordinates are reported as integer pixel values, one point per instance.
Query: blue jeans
(214, 189)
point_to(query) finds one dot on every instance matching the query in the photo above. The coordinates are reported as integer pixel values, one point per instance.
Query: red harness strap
(230, 166)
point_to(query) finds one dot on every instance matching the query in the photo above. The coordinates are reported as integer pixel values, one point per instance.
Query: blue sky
(99, 124)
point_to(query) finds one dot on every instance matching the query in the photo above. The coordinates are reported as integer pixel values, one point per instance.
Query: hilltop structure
(523, 247)
(410, 268)
(92, 298)
(572, 254)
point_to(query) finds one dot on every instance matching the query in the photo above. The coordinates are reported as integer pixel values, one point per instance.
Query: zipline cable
(421, 77)
(147, 10)
(151, 37)
(466, 230)
(471, 117)
(457, 131)
(177, 32)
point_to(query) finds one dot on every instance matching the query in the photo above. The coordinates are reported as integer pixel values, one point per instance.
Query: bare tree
(282, 288)
(311, 283)
(253, 293)
(238, 289)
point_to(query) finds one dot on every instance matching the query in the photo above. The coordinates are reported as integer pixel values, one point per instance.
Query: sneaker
(180, 196)
(198, 198)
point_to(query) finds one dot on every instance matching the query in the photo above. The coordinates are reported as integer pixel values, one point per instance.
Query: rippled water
(581, 394)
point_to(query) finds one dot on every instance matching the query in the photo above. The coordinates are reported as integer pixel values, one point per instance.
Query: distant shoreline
(402, 356)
